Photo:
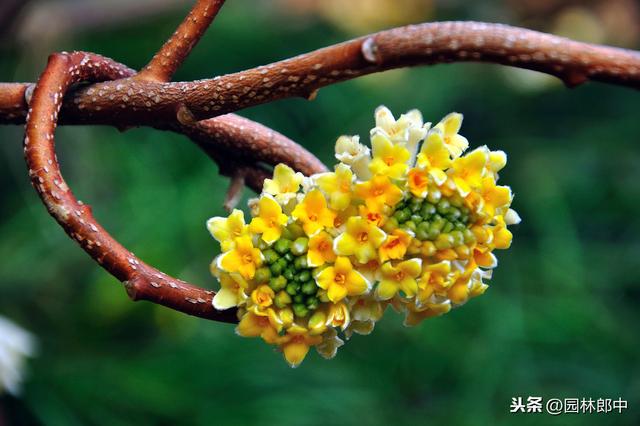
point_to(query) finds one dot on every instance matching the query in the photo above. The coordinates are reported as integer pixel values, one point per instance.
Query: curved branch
(152, 103)
(143, 282)
(173, 53)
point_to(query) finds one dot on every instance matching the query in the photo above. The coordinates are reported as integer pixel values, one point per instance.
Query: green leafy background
(559, 320)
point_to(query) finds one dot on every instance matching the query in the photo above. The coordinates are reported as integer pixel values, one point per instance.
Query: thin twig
(173, 53)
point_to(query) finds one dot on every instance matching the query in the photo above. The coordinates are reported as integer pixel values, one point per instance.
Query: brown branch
(171, 55)
(143, 282)
(153, 103)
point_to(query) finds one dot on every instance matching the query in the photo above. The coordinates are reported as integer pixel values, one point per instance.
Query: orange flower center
(399, 276)
(378, 191)
(389, 160)
(313, 217)
(324, 245)
(394, 241)
(363, 237)
(340, 279)
(247, 258)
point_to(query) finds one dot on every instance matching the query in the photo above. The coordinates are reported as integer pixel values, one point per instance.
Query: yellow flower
(374, 213)
(497, 160)
(244, 258)
(466, 172)
(225, 230)
(401, 277)
(434, 279)
(494, 197)
(231, 293)
(298, 342)
(408, 129)
(320, 250)
(351, 152)
(418, 182)
(339, 315)
(260, 324)
(285, 183)
(379, 190)
(388, 159)
(415, 316)
(450, 126)
(269, 220)
(341, 280)
(395, 246)
(337, 186)
(262, 296)
(360, 239)
(434, 156)
(313, 213)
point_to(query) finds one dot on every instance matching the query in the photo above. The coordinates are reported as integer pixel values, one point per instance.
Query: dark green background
(559, 320)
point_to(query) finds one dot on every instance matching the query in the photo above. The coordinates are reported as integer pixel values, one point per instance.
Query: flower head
(324, 256)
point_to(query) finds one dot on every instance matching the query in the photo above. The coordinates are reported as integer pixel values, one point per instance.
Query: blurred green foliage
(559, 320)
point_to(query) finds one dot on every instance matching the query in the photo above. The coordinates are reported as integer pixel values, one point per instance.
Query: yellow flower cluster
(411, 223)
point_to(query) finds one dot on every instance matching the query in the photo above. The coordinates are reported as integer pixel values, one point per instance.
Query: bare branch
(152, 103)
(173, 53)
(142, 281)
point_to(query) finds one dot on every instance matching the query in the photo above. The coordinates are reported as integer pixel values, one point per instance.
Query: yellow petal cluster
(411, 223)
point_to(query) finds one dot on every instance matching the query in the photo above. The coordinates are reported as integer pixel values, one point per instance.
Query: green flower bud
(415, 204)
(270, 256)
(278, 283)
(442, 207)
(444, 241)
(298, 298)
(312, 303)
(460, 226)
(390, 225)
(289, 274)
(304, 276)
(300, 310)
(286, 234)
(309, 287)
(454, 214)
(276, 268)
(422, 233)
(434, 195)
(410, 225)
(288, 257)
(292, 288)
(300, 262)
(296, 231)
(262, 275)
(282, 245)
(458, 238)
(416, 218)
(401, 216)
(469, 237)
(300, 246)
(448, 227)
(427, 210)
(282, 299)
(262, 245)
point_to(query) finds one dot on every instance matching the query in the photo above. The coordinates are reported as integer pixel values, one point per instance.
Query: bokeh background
(559, 320)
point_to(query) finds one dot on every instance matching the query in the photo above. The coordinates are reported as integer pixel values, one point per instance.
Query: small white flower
(351, 152)
(16, 344)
